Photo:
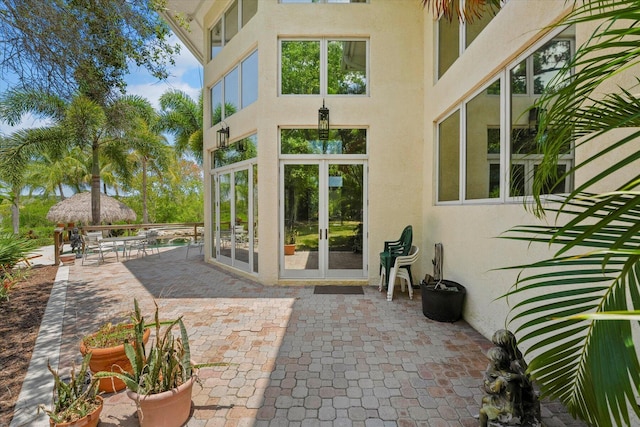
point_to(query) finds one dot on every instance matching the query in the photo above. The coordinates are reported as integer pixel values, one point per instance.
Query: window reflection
(341, 141)
(347, 68)
(449, 158)
(250, 80)
(482, 113)
(300, 67)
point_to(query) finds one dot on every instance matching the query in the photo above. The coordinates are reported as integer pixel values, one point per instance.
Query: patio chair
(394, 249)
(194, 243)
(92, 245)
(399, 271)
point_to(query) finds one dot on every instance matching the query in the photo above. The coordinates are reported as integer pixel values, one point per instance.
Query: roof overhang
(186, 20)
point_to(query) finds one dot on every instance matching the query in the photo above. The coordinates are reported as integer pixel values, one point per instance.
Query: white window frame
(223, 28)
(324, 66)
(236, 66)
(529, 160)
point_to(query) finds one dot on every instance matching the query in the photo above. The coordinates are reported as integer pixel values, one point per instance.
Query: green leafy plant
(8, 281)
(560, 304)
(13, 249)
(291, 237)
(73, 398)
(166, 365)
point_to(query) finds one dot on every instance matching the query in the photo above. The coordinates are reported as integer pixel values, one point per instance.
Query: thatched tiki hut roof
(77, 208)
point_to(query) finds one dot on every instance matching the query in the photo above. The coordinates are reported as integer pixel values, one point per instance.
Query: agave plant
(566, 304)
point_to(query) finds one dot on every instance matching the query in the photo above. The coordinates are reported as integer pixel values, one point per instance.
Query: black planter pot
(442, 305)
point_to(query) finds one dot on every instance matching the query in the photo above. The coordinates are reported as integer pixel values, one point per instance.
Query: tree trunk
(95, 184)
(61, 192)
(145, 213)
(15, 211)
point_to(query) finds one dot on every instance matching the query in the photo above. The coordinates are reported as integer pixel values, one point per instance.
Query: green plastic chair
(394, 249)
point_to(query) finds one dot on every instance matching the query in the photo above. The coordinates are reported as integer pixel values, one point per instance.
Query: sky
(186, 76)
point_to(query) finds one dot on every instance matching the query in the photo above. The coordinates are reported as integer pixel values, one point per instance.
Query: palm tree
(589, 364)
(183, 117)
(149, 151)
(80, 122)
(13, 179)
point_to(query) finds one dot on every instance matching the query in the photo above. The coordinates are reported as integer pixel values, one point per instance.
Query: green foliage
(13, 249)
(165, 366)
(587, 362)
(73, 398)
(66, 46)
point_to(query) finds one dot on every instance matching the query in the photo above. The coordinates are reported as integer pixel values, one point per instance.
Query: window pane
(448, 44)
(231, 22)
(234, 155)
(449, 158)
(249, 9)
(475, 26)
(300, 67)
(483, 113)
(250, 79)
(216, 104)
(519, 79)
(231, 101)
(547, 62)
(347, 67)
(216, 39)
(341, 141)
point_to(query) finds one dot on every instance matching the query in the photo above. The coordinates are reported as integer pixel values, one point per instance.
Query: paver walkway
(297, 359)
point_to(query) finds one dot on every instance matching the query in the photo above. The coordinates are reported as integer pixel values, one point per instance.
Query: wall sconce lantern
(223, 136)
(323, 123)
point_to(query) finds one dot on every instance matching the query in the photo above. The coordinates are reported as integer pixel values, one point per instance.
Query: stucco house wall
(405, 103)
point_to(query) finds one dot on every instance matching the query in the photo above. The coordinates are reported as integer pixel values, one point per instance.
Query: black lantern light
(323, 123)
(223, 136)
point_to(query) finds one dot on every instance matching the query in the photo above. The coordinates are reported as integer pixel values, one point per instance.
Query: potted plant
(75, 401)
(442, 300)
(107, 348)
(290, 241)
(161, 380)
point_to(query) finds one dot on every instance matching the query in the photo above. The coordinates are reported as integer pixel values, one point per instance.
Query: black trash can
(442, 305)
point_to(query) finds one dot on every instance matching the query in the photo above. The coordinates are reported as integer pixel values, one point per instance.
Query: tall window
(497, 164)
(449, 158)
(454, 37)
(323, 67)
(234, 18)
(236, 90)
(529, 79)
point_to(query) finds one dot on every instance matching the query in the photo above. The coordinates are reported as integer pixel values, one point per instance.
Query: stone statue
(511, 398)
(75, 240)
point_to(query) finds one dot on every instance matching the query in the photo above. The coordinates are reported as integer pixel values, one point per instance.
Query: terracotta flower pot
(90, 420)
(110, 359)
(289, 249)
(168, 409)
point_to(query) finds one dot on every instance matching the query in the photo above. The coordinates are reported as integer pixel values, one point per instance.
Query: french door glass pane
(225, 215)
(345, 194)
(301, 201)
(240, 225)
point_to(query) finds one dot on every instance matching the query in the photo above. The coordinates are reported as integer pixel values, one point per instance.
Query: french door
(236, 240)
(323, 209)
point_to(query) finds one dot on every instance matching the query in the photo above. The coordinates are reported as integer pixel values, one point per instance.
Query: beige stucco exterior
(401, 112)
